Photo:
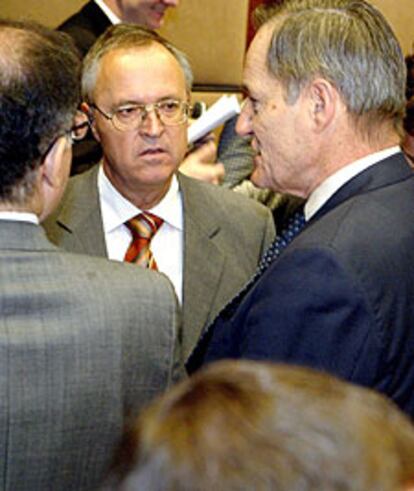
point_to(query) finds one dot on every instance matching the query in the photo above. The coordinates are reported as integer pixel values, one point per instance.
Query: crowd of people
(158, 332)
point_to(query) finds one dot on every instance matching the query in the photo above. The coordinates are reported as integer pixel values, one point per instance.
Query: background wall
(211, 32)
(399, 12)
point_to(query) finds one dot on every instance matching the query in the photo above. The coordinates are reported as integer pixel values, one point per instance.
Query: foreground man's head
(257, 426)
(39, 93)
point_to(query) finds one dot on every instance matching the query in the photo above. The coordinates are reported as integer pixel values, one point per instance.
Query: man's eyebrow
(140, 103)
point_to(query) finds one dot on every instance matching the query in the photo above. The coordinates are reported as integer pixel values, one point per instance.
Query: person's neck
(350, 147)
(33, 206)
(143, 197)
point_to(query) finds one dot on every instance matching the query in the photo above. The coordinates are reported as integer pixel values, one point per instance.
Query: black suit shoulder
(85, 26)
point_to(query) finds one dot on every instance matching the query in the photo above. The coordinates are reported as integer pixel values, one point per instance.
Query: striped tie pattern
(142, 227)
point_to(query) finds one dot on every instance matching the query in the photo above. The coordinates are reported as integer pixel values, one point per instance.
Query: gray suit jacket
(83, 343)
(225, 236)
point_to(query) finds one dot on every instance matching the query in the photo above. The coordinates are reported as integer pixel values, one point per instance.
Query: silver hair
(347, 42)
(126, 36)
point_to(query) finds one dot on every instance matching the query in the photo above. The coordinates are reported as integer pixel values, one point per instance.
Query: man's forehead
(140, 72)
(142, 61)
(151, 49)
(256, 57)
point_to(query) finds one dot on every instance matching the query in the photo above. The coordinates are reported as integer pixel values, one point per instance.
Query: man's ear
(323, 99)
(53, 166)
(54, 174)
(86, 109)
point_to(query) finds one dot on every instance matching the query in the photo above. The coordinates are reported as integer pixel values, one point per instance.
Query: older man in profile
(335, 290)
(206, 239)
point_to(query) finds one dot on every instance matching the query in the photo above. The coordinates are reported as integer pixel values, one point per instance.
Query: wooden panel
(213, 34)
(49, 12)
(400, 14)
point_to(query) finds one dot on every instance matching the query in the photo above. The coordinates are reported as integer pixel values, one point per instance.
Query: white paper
(222, 110)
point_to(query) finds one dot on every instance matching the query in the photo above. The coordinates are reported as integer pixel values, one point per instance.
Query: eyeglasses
(74, 135)
(171, 112)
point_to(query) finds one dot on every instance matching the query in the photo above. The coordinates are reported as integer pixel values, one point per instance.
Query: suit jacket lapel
(385, 173)
(203, 262)
(80, 214)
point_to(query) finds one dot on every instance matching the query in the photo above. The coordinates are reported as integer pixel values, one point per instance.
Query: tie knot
(144, 225)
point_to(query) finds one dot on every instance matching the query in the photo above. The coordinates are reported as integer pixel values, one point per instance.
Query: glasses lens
(172, 112)
(128, 117)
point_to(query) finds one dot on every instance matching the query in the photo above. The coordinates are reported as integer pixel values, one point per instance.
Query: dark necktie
(143, 227)
(295, 224)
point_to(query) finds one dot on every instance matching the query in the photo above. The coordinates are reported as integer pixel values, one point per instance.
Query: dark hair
(243, 425)
(39, 93)
(409, 95)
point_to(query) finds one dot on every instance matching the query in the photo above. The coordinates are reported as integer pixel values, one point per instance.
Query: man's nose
(151, 124)
(244, 121)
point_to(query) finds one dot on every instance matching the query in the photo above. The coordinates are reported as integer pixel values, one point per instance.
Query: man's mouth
(152, 151)
(159, 12)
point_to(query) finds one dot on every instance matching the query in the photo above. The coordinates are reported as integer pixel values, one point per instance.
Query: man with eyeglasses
(136, 88)
(85, 27)
(84, 342)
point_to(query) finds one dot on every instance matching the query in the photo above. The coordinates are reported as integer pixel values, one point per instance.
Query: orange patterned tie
(143, 227)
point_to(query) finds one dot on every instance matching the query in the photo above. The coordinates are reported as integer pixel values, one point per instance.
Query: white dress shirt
(19, 216)
(166, 245)
(108, 12)
(329, 187)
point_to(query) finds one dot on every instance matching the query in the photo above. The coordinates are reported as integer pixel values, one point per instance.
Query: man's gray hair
(126, 36)
(350, 44)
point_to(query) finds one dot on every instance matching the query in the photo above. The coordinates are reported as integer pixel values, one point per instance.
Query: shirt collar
(108, 12)
(330, 185)
(18, 216)
(116, 209)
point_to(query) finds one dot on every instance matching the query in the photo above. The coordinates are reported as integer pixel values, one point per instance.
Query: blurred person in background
(257, 426)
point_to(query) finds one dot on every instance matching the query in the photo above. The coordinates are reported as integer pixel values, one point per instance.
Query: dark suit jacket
(341, 296)
(224, 237)
(84, 342)
(85, 26)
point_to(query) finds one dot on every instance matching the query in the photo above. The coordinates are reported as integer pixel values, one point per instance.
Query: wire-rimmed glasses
(75, 134)
(171, 112)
